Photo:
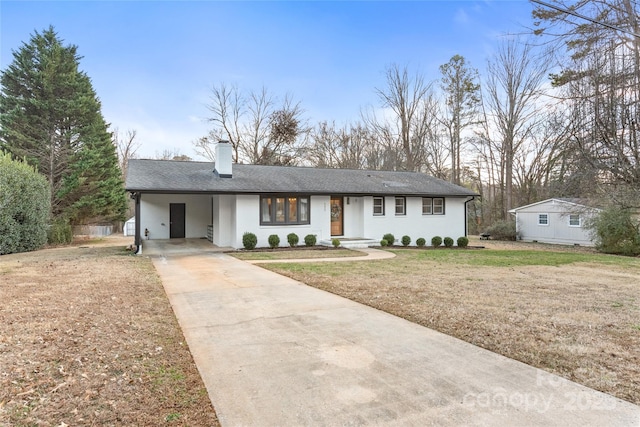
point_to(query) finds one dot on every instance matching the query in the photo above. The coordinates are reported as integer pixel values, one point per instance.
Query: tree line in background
(555, 115)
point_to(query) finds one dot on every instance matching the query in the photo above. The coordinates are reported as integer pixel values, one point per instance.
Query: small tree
(615, 231)
(24, 207)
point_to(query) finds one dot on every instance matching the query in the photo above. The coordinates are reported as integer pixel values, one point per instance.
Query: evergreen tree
(51, 116)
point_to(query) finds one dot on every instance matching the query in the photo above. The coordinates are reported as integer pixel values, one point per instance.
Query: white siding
(558, 229)
(154, 214)
(414, 224)
(248, 220)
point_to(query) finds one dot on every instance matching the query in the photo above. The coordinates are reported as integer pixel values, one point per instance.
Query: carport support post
(137, 242)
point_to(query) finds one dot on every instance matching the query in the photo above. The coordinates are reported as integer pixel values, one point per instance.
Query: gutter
(466, 213)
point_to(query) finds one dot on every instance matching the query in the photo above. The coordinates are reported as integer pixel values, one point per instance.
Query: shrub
(406, 240)
(60, 232)
(384, 242)
(463, 242)
(448, 242)
(420, 241)
(310, 239)
(24, 206)
(335, 242)
(614, 231)
(274, 241)
(249, 240)
(503, 230)
(293, 239)
(436, 241)
(390, 238)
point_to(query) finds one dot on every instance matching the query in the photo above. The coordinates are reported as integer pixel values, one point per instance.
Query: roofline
(515, 210)
(310, 193)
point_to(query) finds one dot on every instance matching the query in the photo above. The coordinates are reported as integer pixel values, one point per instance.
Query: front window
(543, 219)
(432, 206)
(401, 205)
(289, 210)
(378, 206)
(574, 220)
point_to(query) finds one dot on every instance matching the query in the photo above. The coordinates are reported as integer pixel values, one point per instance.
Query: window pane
(304, 210)
(378, 206)
(543, 219)
(438, 206)
(293, 209)
(280, 209)
(426, 206)
(400, 205)
(574, 220)
(266, 209)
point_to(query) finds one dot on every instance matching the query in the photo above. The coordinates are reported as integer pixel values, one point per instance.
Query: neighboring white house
(554, 221)
(223, 201)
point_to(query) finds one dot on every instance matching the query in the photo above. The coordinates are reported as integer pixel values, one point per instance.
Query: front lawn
(573, 313)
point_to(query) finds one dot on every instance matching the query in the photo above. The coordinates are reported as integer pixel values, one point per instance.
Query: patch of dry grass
(577, 319)
(88, 338)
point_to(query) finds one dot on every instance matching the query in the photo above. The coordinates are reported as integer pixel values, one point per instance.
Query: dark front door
(176, 220)
(336, 216)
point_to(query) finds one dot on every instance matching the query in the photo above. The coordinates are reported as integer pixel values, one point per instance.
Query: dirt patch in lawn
(580, 320)
(88, 338)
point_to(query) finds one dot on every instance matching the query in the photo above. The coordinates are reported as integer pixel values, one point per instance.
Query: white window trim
(374, 206)
(579, 221)
(404, 206)
(548, 220)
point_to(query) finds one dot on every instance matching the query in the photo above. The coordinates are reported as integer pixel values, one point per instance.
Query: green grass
(511, 258)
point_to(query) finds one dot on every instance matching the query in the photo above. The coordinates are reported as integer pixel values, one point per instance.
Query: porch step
(352, 243)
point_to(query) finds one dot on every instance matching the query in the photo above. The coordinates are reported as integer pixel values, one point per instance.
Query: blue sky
(153, 63)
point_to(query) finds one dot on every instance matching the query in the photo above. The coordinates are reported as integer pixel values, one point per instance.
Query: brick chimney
(223, 159)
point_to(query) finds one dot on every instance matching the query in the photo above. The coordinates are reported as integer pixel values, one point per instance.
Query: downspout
(138, 240)
(466, 214)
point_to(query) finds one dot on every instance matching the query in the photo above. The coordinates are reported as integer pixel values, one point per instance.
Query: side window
(574, 220)
(543, 219)
(427, 206)
(401, 206)
(438, 206)
(378, 206)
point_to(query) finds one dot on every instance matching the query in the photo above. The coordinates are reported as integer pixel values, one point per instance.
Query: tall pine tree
(50, 115)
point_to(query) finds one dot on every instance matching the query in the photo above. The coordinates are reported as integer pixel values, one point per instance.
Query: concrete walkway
(275, 352)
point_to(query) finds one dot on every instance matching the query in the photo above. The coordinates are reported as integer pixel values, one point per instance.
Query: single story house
(555, 220)
(222, 201)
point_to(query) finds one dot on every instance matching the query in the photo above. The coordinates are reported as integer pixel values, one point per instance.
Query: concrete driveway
(275, 352)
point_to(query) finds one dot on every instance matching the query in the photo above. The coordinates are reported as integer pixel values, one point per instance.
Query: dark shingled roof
(168, 176)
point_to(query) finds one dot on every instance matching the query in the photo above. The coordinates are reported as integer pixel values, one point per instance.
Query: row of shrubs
(250, 240)
(389, 239)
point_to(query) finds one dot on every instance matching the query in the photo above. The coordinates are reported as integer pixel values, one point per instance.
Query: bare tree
(349, 147)
(402, 133)
(261, 129)
(126, 147)
(513, 92)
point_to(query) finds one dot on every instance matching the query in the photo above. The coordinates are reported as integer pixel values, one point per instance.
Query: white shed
(129, 228)
(558, 221)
